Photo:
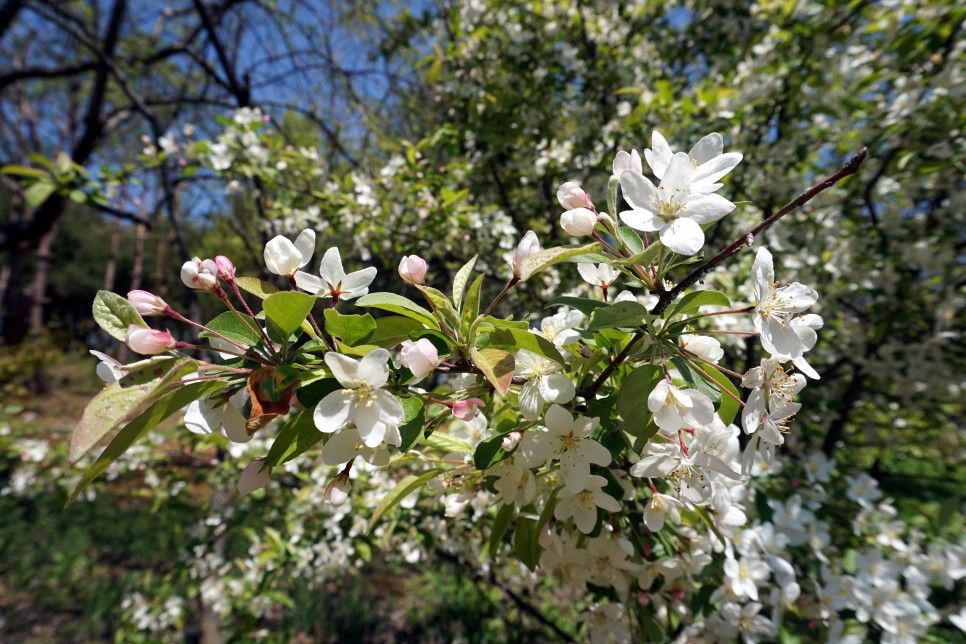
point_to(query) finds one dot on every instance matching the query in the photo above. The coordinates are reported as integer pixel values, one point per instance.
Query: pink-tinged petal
(330, 268)
(707, 148)
(311, 284)
(530, 401)
(344, 368)
(658, 157)
(556, 388)
(644, 220)
(683, 236)
(714, 169)
(676, 182)
(707, 208)
(305, 243)
(357, 284)
(373, 368)
(638, 191)
(332, 413)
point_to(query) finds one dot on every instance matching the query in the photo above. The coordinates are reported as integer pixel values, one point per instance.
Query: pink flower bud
(201, 275)
(147, 341)
(527, 247)
(546, 534)
(226, 270)
(254, 477)
(412, 269)
(420, 357)
(337, 491)
(578, 222)
(147, 303)
(467, 409)
(510, 440)
(571, 196)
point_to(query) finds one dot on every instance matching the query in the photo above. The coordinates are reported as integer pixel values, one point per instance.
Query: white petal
(659, 156)
(254, 477)
(707, 148)
(556, 388)
(642, 220)
(683, 236)
(356, 284)
(332, 413)
(305, 243)
(311, 284)
(390, 410)
(195, 421)
(234, 425)
(707, 208)
(638, 191)
(330, 268)
(714, 169)
(676, 182)
(558, 420)
(342, 447)
(762, 273)
(373, 368)
(701, 412)
(344, 368)
(531, 403)
(281, 256)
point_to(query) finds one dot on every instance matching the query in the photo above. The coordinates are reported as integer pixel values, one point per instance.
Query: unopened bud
(571, 196)
(578, 222)
(467, 409)
(510, 440)
(254, 477)
(527, 247)
(226, 270)
(147, 341)
(420, 357)
(546, 534)
(412, 269)
(201, 275)
(147, 303)
(337, 491)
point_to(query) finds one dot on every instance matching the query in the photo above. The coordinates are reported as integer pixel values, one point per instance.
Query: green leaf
(631, 239)
(402, 489)
(525, 542)
(471, 308)
(633, 415)
(692, 301)
(442, 305)
(461, 280)
(546, 258)
(695, 380)
(588, 258)
(287, 310)
(297, 436)
(448, 444)
(520, 339)
(229, 325)
(499, 527)
(350, 329)
(115, 314)
(24, 171)
(258, 288)
(38, 193)
(166, 405)
(394, 329)
(642, 258)
(729, 407)
(582, 304)
(619, 315)
(398, 304)
(496, 365)
(414, 416)
(309, 395)
(489, 452)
